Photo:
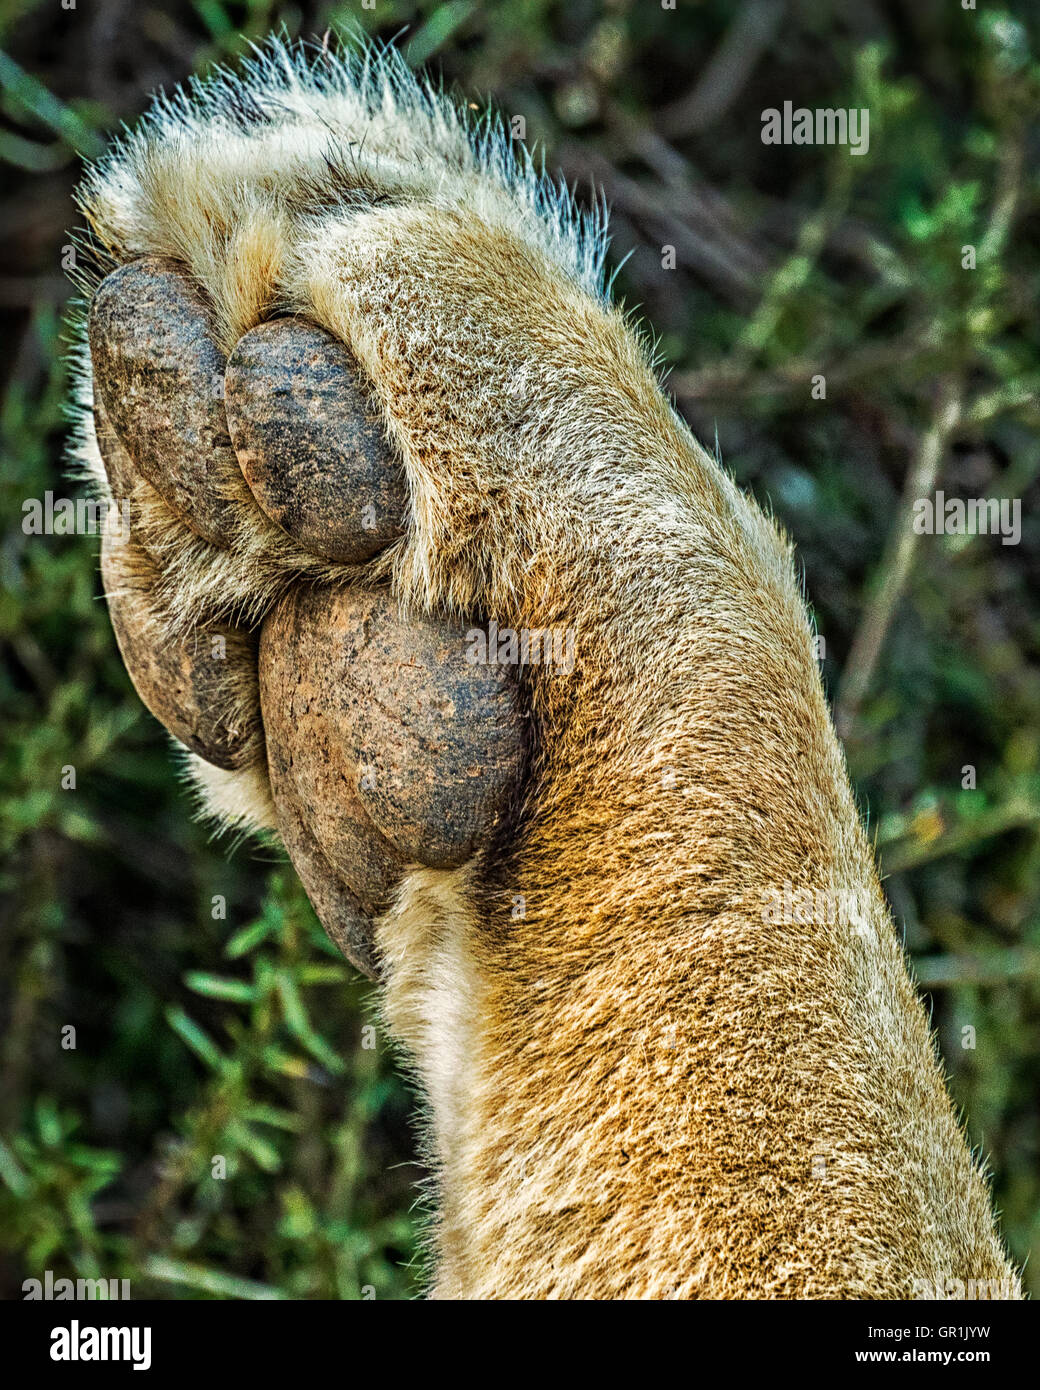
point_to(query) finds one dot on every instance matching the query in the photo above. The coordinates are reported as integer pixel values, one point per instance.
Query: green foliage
(200, 1037)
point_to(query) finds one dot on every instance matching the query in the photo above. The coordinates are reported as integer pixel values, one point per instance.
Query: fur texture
(638, 1084)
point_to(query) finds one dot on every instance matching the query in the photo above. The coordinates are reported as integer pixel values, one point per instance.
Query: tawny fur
(637, 1085)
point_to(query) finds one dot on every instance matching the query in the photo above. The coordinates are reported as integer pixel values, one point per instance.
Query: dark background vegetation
(244, 1037)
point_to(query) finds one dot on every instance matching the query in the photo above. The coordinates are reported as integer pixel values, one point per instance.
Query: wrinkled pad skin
(160, 377)
(312, 453)
(184, 680)
(388, 721)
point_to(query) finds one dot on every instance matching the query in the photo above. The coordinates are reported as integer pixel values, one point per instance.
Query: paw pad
(311, 451)
(384, 746)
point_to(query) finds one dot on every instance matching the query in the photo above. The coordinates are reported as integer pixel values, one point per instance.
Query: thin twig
(909, 852)
(723, 77)
(993, 968)
(862, 371)
(704, 245)
(898, 558)
(902, 542)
